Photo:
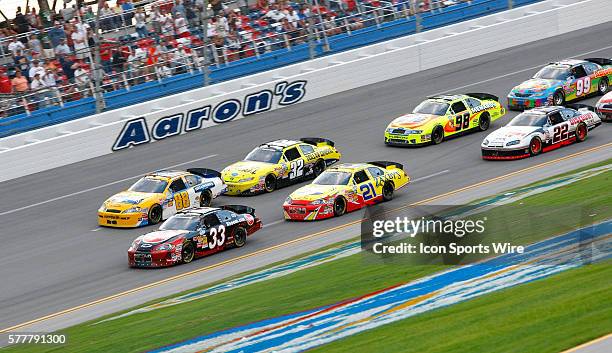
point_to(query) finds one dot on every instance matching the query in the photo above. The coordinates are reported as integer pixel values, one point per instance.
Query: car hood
(413, 120)
(129, 199)
(244, 169)
(314, 192)
(536, 85)
(160, 236)
(511, 133)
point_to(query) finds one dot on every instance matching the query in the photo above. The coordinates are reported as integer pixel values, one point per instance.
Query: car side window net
(458, 107)
(177, 185)
(360, 177)
(292, 154)
(578, 71)
(555, 118)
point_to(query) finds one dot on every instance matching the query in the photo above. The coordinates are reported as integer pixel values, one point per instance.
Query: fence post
(204, 19)
(510, 4)
(417, 15)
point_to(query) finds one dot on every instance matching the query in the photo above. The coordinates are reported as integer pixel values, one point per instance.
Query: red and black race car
(193, 233)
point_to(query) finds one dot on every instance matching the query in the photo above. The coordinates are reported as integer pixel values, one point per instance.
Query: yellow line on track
(294, 241)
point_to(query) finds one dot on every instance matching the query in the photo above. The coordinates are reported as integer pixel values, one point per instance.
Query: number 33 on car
(345, 188)
(194, 233)
(279, 163)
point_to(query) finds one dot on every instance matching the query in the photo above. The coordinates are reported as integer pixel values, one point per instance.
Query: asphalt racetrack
(54, 256)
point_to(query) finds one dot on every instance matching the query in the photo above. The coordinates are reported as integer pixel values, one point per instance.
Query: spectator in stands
(5, 82)
(35, 46)
(81, 78)
(216, 6)
(56, 34)
(141, 23)
(274, 15)
(20, 21)
(178, 9)
(15, 46)
(36, 69)
(163, 70)
(89, 16)
(106, 18)
(117, 15)
(33, 19)
(68, 66)
(167, 24)
(22, 62)
(79, 38)
(180, 60)
(157, 19)
(67, 13)
(42, 95)
(180, 23)
(62, 48)
(20, 83)
(128, 12)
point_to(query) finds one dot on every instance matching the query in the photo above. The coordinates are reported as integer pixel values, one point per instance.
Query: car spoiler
(203, 172)
(600, 61)
(387, 164)
(483, 96)
(578, 106)
(315, 141)
(240, 209)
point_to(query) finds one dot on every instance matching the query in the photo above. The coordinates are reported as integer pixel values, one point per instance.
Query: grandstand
(49, 62)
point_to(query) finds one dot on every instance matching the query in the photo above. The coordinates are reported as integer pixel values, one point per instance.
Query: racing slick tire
(535, 146)
(484, 122)
(558, 98)
(318, 168)
(387, 192)
(206, 198)
(437, 135)
(188, 252)
(581, 132)
(270, 183)
(155, 214)
(339, 206)
(603, 86)
(240, 237)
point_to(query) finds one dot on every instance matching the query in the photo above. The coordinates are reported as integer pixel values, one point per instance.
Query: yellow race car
(442, 116)
(279, 163)
(345, 188)
(160, 195)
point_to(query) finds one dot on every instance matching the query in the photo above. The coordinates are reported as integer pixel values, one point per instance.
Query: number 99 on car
(33, 338)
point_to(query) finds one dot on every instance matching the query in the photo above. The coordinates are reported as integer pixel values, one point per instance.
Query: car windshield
(267, 155)
(333, 178)
(529, 119)
(431, 107)
(153, 185)
(553, 73)
(181, 223)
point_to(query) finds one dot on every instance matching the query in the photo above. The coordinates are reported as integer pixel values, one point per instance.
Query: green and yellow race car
(442, 116)
(279, 163)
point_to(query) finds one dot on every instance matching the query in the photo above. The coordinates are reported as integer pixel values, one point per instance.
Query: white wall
(95, 136)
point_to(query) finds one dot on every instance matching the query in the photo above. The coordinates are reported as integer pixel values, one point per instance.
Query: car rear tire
(339, 206)
(535, 146)
(240, 237)
(437, 135)
(558, 98)
(581, 132)
(387, 191)
(318, 168)
(155, 214)
(188, 252)
(484, 122)
(270, 183)
(206, 198)
(603, 86)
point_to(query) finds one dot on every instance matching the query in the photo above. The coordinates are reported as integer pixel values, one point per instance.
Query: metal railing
(318, 28)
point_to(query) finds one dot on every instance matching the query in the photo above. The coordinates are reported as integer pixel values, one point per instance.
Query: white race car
(604, 107)
(540, 130)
